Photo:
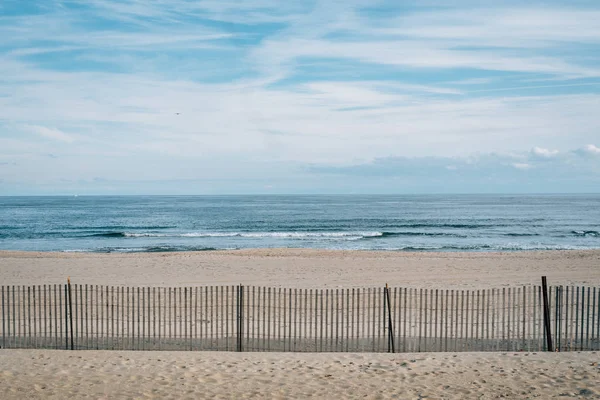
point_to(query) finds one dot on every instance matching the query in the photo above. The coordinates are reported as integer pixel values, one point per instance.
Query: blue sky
(298, 97)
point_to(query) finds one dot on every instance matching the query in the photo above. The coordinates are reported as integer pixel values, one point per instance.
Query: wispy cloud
(516, 27)
(178, 85)
(51, 133)
(511, 39)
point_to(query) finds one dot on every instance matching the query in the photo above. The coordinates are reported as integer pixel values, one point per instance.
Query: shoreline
(281, 251)
(301, 250)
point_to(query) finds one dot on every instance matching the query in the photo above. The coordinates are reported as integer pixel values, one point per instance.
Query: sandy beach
(35, 374)
(304, 268)
(122, 374)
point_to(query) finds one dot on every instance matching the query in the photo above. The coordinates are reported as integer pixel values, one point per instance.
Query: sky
(261, 96)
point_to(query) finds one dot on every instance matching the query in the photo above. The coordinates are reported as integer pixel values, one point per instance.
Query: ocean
(353, 222)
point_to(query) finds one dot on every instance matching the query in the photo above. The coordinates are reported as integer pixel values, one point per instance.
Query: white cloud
(472, 81)
(499, 165)
(543, 153)
(503, 26)
(51, 133)
(523, 166)
(590, 149)
(513, 39)
(414, 54)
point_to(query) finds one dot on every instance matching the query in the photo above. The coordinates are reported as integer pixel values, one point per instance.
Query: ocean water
(395, 223)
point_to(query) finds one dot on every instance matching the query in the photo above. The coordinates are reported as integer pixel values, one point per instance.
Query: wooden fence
(248, 318)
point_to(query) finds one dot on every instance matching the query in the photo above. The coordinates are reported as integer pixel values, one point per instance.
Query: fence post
(558, 318)
(240, 317)
(66, 306)
(390, 326)
(70, 312)
(547, 315)
(3, 321)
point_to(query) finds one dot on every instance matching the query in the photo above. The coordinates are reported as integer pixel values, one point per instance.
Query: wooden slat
(290, 319)
(587, 321)
(454, 319)
(425, 320)
(594, 320)
(597, 319)
(3, 320)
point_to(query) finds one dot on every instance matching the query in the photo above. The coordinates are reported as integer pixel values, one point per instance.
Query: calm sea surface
(411, 223)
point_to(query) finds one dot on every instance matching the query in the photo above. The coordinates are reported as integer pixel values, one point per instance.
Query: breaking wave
(586, 233)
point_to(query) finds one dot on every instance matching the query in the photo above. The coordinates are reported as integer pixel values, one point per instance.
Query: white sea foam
(288, 235)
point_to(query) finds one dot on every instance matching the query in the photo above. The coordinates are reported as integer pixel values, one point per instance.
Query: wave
(586, 233)
(108, 235)
(521, 234)
(289, 235)
(160, 249)
(350, 235)
(310, 235)
(121, 227)
(148, 249)
(429, 234)
(443, 225)
(485, 247)
(9, 227)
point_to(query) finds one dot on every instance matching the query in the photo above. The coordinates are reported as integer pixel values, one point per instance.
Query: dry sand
(304, 268)
(32, 374)
(105, 374)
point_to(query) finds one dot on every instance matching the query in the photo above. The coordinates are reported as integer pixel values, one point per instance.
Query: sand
(119, 374)
(304, 268)
(35, 374)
